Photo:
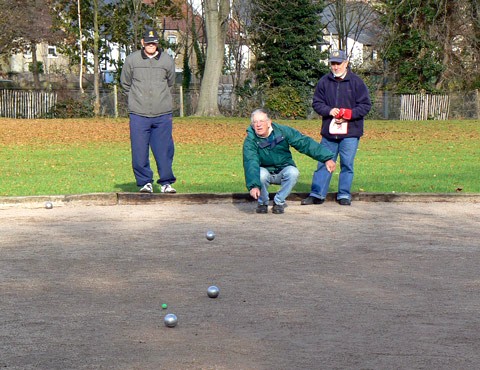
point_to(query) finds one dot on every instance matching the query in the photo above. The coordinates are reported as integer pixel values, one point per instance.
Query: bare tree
(350, 20)
(80, 38)
(25, 24)
(217, 14)
(458, 31)
(237, 41)
(96, 65)
(433, 46)
(137, 7)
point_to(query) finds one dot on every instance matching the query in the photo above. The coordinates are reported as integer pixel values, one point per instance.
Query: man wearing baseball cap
(147, 77)
(342, 99)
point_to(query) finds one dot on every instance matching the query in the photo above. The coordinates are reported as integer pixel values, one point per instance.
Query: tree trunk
(36, 78)
(216, 15)
(96, 69)
(137, 6)
(80, 73)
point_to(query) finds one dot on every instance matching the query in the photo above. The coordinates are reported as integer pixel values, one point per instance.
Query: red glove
(347, 114)
(344, 113)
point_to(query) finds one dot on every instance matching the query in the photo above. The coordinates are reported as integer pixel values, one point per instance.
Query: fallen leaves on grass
(82, 131)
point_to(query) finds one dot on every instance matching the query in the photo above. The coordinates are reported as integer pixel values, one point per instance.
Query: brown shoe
(311, 200)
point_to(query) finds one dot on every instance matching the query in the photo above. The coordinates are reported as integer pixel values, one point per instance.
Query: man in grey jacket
(147, 77)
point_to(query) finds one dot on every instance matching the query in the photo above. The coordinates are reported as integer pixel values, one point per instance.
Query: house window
(27, 54)
(52, 52)
(172, 40)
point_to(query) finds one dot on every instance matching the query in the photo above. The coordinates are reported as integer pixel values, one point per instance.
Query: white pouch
(338, 128)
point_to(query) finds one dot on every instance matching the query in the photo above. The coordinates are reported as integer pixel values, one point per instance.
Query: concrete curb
(111, 199)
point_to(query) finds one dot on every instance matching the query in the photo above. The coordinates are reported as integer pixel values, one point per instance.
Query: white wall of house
(354, 48)
(356, 53)
(19, 62)
(113, 55)
(47, 54)
(246, 58)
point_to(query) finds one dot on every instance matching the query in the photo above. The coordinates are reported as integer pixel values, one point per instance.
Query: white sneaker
(167, 188)
(147, 188)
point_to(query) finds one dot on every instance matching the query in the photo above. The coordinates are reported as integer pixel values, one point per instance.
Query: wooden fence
(423, 107)
(26, 103)
(36, 104)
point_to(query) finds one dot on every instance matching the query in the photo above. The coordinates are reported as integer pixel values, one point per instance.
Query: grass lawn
(50, 157)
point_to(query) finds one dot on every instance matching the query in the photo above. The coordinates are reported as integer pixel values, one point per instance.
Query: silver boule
(210, 235)
(213, 291)
(170, 320)
(48, 205)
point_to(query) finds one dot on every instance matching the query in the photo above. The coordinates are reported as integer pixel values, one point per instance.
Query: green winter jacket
(273, 153)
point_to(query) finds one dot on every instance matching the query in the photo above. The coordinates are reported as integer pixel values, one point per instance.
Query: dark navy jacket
(351, 92)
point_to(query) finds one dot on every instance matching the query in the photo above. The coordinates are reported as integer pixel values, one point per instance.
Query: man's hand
(344, 113)
(255, 193)
(334, 112)
(330, 164)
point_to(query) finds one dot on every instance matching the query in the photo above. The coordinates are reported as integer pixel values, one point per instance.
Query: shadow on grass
(127, 187)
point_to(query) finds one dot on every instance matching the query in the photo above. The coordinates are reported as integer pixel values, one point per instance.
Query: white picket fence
(421, 107)
(26, 103)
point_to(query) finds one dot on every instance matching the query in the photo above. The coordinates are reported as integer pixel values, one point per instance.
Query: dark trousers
(153, 133)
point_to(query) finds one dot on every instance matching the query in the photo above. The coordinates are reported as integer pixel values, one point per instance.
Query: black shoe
(278, 208)
(311, 200)
(261, 208)
(344, 202)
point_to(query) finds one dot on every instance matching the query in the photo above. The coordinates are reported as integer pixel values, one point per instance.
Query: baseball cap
(338, 56)
(150, 36)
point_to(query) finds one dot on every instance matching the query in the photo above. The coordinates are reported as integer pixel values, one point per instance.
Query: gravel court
(371, 286)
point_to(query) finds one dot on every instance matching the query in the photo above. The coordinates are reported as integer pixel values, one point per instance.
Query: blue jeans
(154, 133)
(287, 178)
(347, 149)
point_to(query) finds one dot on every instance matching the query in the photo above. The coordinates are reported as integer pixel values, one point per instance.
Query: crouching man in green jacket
(267, 159)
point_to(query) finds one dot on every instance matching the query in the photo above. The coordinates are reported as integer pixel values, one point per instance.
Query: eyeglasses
(262, 121)
(150, 44)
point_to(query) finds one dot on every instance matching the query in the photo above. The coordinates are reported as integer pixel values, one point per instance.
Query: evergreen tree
(431, 45)
(286, 36)
(410, 51)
